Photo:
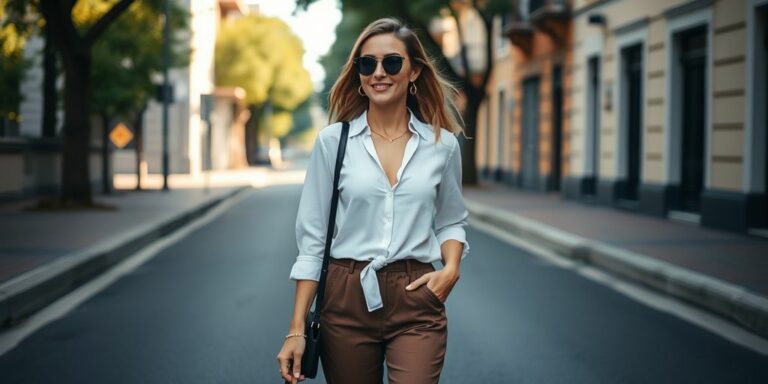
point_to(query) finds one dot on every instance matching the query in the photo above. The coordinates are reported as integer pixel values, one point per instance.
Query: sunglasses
(366, 65)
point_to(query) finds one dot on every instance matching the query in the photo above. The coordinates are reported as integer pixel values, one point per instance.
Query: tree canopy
(264, 57)
(129, 53)
(13, 36)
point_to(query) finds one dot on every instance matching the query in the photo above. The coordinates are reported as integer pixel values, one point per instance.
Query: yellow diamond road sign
(120, 135)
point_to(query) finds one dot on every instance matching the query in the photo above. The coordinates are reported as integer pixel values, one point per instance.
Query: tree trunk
(50, 96)
(252, 135)
(75, 175)
(468, 165)
(106, 183)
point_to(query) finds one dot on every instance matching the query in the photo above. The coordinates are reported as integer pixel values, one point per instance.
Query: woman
(400, 209)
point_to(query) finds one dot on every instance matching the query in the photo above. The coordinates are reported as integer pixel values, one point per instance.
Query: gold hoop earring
(360, 91)
(412, 89)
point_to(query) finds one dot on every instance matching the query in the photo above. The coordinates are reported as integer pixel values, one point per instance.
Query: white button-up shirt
(377, 221)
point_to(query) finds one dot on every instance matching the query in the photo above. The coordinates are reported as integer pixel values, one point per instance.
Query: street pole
(166, 86)
(206, 106)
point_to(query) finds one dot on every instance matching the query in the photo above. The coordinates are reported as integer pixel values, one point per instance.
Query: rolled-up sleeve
(451, 213)
(312, 216)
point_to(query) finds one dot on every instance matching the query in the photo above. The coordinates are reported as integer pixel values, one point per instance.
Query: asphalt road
(213, 308)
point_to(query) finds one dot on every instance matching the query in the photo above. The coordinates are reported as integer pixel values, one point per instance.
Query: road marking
(647, 296)
(12, 337)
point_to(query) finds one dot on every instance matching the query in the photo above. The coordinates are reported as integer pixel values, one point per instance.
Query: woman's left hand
(441, 282)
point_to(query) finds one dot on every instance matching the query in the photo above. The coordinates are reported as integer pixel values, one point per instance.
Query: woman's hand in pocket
(440, 282)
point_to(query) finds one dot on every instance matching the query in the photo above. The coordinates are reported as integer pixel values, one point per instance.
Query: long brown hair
(433, 102)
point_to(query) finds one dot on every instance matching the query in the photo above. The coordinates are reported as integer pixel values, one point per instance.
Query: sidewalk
(44, 255)
(723, 272)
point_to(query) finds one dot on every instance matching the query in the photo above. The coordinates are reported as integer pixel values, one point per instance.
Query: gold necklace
(390, 140)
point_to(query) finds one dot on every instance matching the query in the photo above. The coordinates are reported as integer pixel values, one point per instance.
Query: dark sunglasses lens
(392, 64)
(366, 65)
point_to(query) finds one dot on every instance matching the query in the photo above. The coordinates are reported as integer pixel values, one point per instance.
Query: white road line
(649, 297)
(11, 337)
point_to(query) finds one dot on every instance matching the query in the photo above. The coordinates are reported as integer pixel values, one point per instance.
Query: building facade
(657, 107)
(496, 140)
(540, 41)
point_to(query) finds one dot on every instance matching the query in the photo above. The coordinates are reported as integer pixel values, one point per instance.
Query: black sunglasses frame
(364, 66)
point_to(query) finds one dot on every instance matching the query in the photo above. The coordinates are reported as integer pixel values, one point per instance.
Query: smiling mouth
(381, 87)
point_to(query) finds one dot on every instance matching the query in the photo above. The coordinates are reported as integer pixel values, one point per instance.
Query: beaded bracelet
(295, 334)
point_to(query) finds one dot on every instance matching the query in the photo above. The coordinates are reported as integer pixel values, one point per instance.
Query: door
(693, 59)
(488, 139)
(500, 136)
(530, 141)
(633, 72)
(765, 115)
(594, 124)
(557, 125)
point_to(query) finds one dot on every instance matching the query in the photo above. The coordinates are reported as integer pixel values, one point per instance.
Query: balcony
(551, 17)
(520, 34)
(548, 9)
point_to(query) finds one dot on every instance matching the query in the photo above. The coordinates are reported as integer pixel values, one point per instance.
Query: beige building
(531, 101)
(663, 111)
(494, 143)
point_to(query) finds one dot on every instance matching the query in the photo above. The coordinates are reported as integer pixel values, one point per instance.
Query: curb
(731, 301)
(24, 295)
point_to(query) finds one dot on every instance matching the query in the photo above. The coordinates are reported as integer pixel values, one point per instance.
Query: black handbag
(310, 361)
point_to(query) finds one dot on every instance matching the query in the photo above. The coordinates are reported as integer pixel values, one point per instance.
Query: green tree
(418, 14)
(263, 56)
(74, 43)
(129, 54)
(124, 61)
(14, 31)
(352, 23)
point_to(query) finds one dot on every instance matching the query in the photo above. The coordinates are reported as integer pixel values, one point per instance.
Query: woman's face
(381, 87)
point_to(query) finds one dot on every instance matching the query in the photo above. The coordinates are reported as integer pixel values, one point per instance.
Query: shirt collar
(360, 123)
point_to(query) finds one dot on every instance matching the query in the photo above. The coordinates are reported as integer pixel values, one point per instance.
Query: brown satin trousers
(410, 332)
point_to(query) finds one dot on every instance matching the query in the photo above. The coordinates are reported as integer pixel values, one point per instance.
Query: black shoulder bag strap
(311, 357)
(331, 221)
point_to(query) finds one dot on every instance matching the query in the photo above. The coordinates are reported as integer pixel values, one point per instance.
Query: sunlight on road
(289, 172)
